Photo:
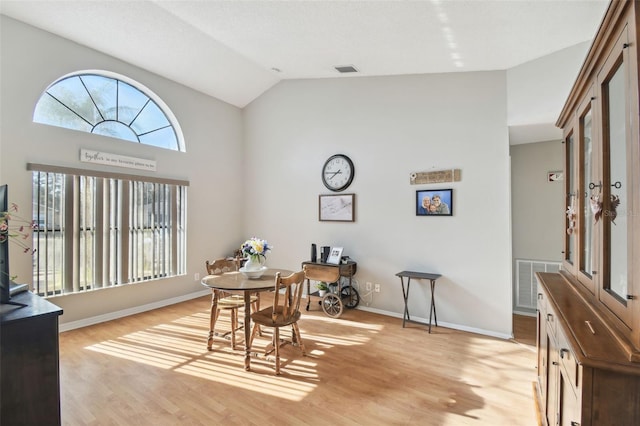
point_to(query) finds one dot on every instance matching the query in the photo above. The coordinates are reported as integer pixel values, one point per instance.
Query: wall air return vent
(526, 283)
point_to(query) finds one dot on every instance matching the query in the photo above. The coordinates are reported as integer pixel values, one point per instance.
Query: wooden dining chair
(227, 301)
(285, 311)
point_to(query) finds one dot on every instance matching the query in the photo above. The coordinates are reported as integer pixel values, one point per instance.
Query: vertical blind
(100, 230)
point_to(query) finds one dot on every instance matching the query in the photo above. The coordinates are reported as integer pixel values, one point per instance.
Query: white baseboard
(162, 303)
(441, 323)
(72, 325)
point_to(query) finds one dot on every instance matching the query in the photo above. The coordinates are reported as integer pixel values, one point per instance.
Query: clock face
(337, 173)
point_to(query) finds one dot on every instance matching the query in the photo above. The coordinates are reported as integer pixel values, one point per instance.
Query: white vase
(254, 263)
(321, 293)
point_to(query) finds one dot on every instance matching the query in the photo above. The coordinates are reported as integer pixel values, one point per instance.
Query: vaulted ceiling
(236, 50)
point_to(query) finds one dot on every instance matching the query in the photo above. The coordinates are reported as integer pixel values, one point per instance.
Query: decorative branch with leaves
(17, 229)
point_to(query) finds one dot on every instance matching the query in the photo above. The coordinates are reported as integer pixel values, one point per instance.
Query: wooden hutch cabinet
(589, 312)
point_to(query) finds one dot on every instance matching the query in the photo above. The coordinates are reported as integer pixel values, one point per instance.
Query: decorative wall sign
(99, 157)
(555, 176)
(438, 176)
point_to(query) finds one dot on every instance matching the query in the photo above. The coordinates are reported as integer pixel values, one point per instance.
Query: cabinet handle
(539, 296)
(590, 327)
(555, 363)
(549, 317)
(575, 424)
(562, 352)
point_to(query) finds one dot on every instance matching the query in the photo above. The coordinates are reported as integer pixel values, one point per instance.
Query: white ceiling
(231, 49)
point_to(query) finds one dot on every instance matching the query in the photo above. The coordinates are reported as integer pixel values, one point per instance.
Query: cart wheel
(332, 305)
(350, 297)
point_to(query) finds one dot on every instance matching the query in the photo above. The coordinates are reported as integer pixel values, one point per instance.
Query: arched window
(109, 105)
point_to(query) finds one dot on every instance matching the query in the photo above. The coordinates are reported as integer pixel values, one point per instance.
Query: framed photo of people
(434, 202)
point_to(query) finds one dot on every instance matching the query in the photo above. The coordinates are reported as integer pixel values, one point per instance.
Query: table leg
(308, 293)
(212, 320)
(405, 295)
(432, 309)
(247, 330)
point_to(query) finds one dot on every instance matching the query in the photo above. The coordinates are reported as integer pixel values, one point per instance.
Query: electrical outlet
(368, 286)
(196, 276)
(377, 288)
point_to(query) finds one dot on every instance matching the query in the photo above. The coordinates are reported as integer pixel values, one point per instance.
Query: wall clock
(337, 172)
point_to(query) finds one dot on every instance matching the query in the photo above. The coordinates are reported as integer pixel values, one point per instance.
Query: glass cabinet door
(588, 191)
(571, 207)
(616, 204)
(616, 134)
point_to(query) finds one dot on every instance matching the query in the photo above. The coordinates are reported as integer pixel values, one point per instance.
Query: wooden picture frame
(425, 205)
(336, 207)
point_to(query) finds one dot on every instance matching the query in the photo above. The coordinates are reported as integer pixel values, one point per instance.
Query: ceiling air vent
(346, 69)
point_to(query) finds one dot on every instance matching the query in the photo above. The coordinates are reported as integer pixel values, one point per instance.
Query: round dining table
(237, 282)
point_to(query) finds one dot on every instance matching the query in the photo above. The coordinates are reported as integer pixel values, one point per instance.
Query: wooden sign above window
(99, 157)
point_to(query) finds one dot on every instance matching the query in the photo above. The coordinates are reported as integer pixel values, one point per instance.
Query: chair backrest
(287, 305)
(220, 266)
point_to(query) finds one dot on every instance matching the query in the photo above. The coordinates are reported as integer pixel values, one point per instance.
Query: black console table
(29, 362)
(405, 294)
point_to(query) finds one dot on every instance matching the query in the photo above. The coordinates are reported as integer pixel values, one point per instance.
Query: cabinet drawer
(568, 360)
(542, 303)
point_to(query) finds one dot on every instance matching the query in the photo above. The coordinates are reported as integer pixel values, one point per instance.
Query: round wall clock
(337, 172)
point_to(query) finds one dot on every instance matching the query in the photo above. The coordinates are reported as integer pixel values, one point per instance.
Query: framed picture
(335, 255)
(434, 202)
(337, 208)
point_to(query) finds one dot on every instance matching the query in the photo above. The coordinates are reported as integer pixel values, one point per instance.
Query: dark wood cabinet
(29, 362)
(584, 375)
(589, 312)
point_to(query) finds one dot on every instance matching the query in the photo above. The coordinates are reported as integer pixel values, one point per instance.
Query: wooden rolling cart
(338, 296)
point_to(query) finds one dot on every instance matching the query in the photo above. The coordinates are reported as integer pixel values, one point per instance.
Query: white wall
(537, 91)
(538, 205)
(266, 181)
(390, 127)
(32, 59)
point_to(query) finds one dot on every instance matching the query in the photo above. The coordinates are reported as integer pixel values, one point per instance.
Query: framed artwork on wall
(336, 208)
(434, 202)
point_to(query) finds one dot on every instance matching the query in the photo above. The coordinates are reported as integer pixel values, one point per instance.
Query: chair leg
(256, 327)
(276, 344)
(296, 331)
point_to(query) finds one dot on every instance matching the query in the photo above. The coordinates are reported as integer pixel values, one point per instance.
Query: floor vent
(526, 285)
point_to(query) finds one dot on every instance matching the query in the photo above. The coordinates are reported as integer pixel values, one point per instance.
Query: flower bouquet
(254, 250)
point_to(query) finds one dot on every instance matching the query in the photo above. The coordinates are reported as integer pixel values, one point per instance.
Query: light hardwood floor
(361, 369)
